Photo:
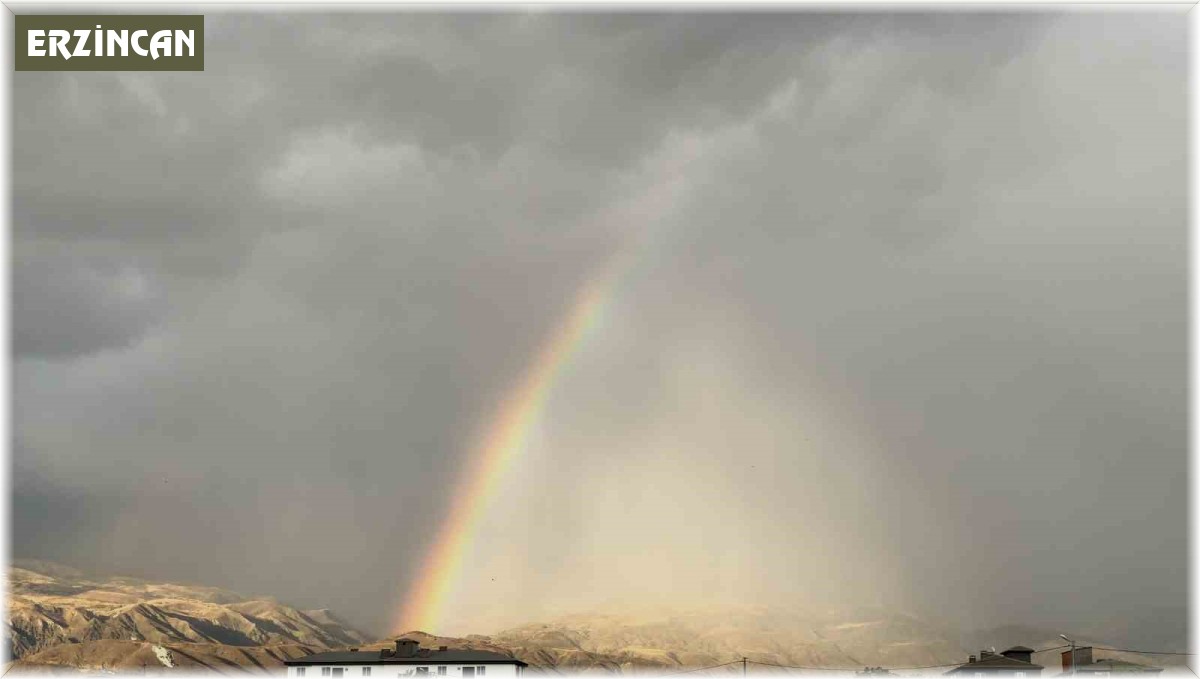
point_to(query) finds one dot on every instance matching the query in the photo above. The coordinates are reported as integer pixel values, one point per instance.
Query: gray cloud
(69, 306)
(908, 306)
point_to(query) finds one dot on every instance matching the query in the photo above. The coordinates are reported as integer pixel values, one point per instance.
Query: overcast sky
(905, 323)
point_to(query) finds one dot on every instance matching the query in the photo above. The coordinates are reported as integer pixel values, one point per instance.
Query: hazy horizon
(900, 319)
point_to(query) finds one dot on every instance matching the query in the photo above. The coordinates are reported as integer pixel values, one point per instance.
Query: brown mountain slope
(676, 641)
(55, 605)
(59, 619)
(702, 637)
(656, 640)
(114, 655)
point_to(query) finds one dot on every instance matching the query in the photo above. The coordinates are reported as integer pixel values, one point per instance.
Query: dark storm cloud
(888, 257)
(70, 307)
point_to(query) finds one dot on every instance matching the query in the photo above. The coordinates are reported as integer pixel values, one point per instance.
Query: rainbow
(503, 442)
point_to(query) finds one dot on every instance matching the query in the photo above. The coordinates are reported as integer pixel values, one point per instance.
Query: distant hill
(679, 639)
(105, 656)
(51, 605)
(61, 620)
(674, 640)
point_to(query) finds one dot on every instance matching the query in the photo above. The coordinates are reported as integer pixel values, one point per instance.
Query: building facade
(408, 659)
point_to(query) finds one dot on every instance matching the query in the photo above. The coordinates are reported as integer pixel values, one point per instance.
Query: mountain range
(59, 616)
(60, 619)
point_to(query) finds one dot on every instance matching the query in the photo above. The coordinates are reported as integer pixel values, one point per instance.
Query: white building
(407, 660)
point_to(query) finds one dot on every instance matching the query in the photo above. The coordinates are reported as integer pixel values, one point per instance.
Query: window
(468, 671)
(300, 671)
(338, 671)
(480, 671)
(1018, 674)
(441, 670)
(366, 671)
(324, 671)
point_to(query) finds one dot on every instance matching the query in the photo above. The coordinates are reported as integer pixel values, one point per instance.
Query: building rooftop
(995, 662)
(423, 657)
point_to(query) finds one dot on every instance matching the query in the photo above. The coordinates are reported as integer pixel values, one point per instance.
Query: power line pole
(743, 666)
(1072, 642)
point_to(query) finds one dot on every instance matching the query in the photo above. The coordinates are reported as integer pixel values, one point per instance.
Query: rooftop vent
(407, 648)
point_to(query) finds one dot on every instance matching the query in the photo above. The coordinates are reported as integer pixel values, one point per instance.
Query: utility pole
(743, 666)
(1072, 642)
